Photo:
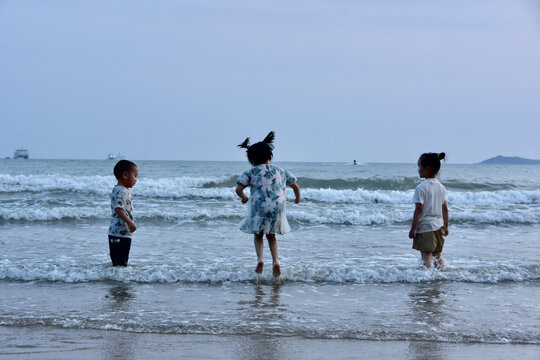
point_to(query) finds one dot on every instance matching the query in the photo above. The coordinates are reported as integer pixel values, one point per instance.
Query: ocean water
(348, 268)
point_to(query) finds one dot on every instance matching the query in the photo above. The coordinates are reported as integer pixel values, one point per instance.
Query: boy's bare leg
(273, 244)
(259, 244)
(427, 257)
(438, 260)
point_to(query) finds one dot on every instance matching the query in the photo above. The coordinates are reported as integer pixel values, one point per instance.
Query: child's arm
(296, 190)
(445, 218)
(122, 215)
(415, 220)
(240, 193)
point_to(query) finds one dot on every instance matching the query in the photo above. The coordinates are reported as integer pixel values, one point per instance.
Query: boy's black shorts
(119, 250)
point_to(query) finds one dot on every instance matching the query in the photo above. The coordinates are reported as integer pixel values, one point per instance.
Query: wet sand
(56, 343)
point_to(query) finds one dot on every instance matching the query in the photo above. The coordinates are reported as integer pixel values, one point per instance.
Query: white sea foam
(51, 214)
(350, 216)
(358, 196)
(305, 214)
(374, 273)
(195, 323)
(64, 197)
(48, 182)
(104, 212)
(102, 185)
(182, 187)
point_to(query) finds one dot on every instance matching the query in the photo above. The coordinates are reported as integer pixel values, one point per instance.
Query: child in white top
(430, 219)
(267, 204)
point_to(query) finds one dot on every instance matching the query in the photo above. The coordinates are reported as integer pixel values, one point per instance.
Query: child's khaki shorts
(432, 241)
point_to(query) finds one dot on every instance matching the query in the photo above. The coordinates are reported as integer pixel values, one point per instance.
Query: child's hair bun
(441, 156)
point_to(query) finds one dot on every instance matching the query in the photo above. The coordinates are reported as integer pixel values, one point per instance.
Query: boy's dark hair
(121, 166)
(432, 160)
(260, 152)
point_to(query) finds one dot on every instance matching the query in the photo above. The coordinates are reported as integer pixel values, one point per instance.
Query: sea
(349, 271)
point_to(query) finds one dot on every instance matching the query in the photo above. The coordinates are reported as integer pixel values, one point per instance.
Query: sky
(337, 80)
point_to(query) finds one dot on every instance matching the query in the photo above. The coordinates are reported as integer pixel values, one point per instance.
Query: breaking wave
(373, 272)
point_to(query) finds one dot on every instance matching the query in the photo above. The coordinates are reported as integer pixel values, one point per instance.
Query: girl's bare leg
(259, 244)
(274, 250)
(427, 257)
(439, 260)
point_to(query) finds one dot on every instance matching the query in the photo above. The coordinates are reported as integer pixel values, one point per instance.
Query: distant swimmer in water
(354, 162)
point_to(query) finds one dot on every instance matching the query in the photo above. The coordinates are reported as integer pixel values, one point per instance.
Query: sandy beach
(53, 343)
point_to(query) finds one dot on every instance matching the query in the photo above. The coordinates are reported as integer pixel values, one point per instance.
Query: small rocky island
(515, 160)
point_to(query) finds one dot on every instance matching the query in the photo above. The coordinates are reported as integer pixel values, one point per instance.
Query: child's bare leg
(273, 244)
(259, 244)
(427, 257)
(439, 260)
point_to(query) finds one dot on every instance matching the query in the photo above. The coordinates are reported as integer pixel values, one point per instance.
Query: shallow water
(348, 268)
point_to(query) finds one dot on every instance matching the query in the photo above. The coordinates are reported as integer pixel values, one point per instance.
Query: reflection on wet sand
(263, 317)
(427, 311)
(273, 297)
(120, 296)
(120, 345)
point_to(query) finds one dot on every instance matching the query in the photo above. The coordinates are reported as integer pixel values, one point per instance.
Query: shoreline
(58, 343)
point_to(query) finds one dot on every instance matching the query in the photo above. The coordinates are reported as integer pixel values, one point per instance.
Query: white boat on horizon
(113, 156)
(21, 154)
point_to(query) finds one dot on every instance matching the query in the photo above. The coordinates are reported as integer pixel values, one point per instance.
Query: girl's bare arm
(416, 218)
(296, 190)
(445, 218)
(240, 192)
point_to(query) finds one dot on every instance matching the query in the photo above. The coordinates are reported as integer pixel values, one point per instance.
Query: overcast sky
(375, 81)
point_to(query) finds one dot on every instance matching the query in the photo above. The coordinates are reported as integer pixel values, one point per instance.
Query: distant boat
(112, 156)
(21, 154)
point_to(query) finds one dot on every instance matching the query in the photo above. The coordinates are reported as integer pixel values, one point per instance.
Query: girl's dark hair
(121, 166)
(432, 160)
(260, 152)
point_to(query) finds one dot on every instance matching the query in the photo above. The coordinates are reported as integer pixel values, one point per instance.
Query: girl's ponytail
(245, 144)
(269, 139)
(441, 156)
(260, 152)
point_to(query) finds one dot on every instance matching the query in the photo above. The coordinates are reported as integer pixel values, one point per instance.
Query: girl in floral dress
(267, 204)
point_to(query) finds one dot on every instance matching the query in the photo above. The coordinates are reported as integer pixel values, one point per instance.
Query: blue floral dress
(267, 200)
